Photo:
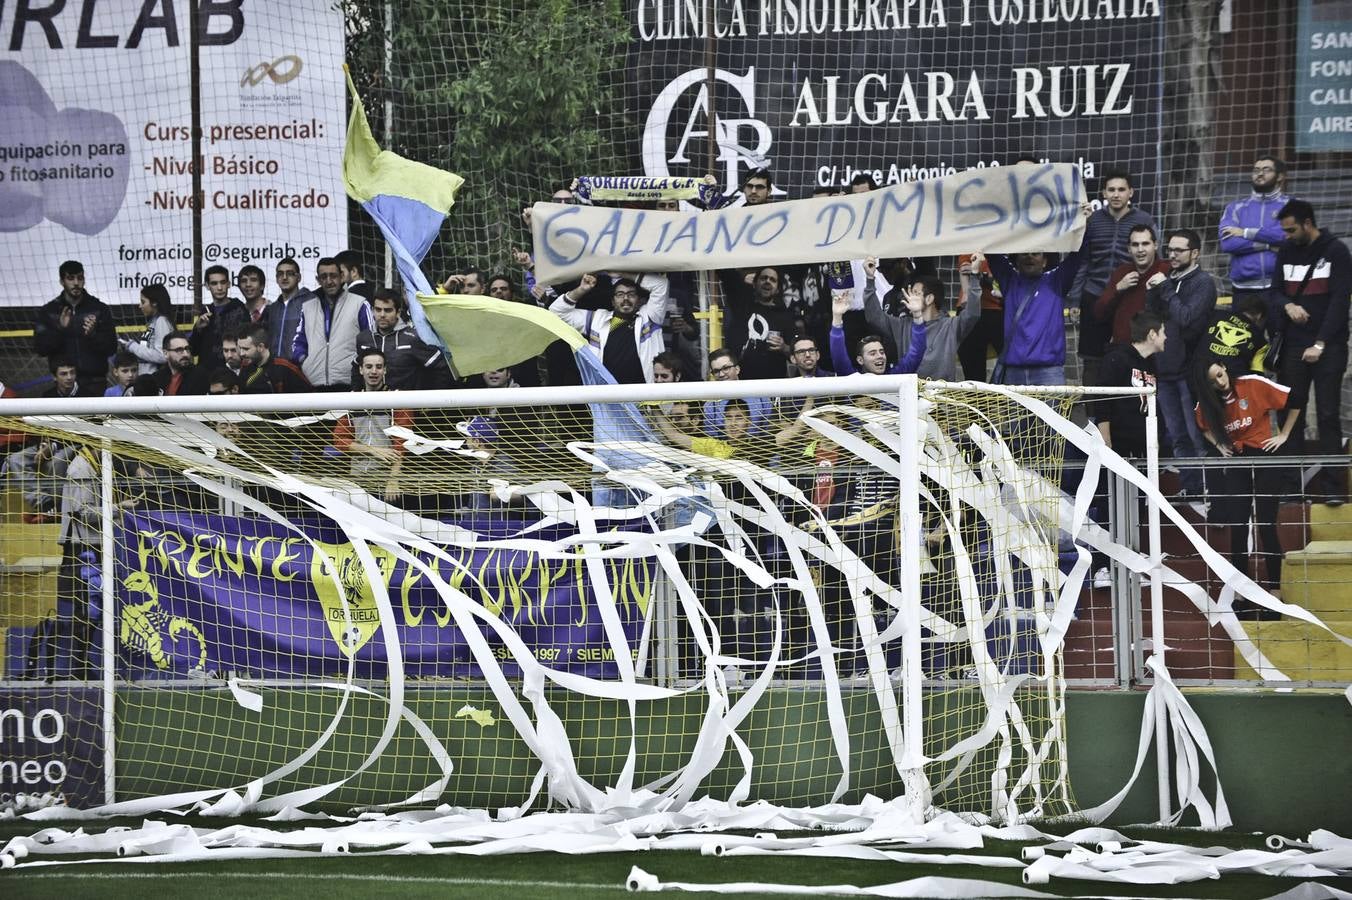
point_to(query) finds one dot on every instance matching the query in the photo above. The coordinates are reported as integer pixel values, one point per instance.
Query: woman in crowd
(1238, 416)
(159, 312)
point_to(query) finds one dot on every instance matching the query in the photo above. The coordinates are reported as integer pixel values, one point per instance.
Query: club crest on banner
(350, 632)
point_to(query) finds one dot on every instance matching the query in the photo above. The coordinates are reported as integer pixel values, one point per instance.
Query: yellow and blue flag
(408, 201)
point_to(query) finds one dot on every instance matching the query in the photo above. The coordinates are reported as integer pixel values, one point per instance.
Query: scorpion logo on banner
(146, 625)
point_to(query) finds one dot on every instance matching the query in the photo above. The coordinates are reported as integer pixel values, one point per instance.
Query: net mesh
(491, 611)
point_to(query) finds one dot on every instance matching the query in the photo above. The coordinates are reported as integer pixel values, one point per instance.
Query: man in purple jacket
(1249, 230)
(1035, 324)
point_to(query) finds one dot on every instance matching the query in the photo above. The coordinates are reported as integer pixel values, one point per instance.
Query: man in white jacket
(629, 334)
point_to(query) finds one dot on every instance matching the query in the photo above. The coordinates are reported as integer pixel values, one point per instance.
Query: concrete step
(1319, 578)
(1196, 650)
(1330, 523)
(1299, 650)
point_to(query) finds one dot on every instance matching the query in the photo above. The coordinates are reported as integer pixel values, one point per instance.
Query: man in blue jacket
(1249, 230)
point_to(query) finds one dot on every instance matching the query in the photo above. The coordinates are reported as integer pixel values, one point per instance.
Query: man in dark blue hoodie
(1310, 305)
(1184, 299)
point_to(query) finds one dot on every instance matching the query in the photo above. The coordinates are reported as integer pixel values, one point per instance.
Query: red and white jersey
(1247, 410)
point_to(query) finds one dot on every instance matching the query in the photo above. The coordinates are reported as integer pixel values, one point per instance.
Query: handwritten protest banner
(1012, 209)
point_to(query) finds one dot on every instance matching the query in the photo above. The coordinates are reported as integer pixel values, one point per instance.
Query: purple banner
(221, 595)
(51, 741)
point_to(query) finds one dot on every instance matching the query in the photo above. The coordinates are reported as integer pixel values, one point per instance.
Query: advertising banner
(215, 594)
(903, 90)
(51, 742)
(1324, 76)
(96, 158)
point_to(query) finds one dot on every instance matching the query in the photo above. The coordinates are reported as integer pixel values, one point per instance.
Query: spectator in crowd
(807, 358)
(326, 343)
(757, 320)
(472, 283)
(1235, 414)
(76, 326)
(629, 335)
(179, 377)
(263, 373)
(757, 187)
(723, 366)
(1122, 420)
(1035, 300)
(375, 455)
(1184, 298)
(862, 183)
(666, 367)
(870, 356)
(989, 333)
(354, 279)
(1124, 296)
(224, 313)
(1250, 232)
(1310, 299)
(500, 288)
(252, 282)
(121, 374)
(230, 348)
(410, 364)
(1235, 338)
(1106, 238)
(222, 381)
(66, 380)
(159, 312)
(81, 543)
(284, 314)
(738, 432)
(38, 467)
(144, 386)
(943, 333)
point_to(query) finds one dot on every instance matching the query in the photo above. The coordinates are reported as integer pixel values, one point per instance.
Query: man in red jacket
(1124, 296)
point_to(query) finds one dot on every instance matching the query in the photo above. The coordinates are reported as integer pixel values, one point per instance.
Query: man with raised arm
(628, 335)
(943, 333)
(870, 353)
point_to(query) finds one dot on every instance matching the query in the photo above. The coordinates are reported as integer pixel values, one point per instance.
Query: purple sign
(51, 741)
(222, 594)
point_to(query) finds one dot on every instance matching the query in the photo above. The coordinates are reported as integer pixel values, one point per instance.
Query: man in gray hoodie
(943, 333)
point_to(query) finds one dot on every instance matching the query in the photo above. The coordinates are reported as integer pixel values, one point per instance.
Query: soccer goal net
(496, 600)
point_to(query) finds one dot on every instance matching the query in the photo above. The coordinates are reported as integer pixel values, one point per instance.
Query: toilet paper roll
(6, 860)
(640, 880)
(712, 848)
(333, 848)
(1034, 852)
(129, 848)
(1109, 846)
(1035, 876)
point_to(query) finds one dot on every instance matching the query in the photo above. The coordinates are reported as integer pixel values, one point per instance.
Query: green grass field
(553, 876)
